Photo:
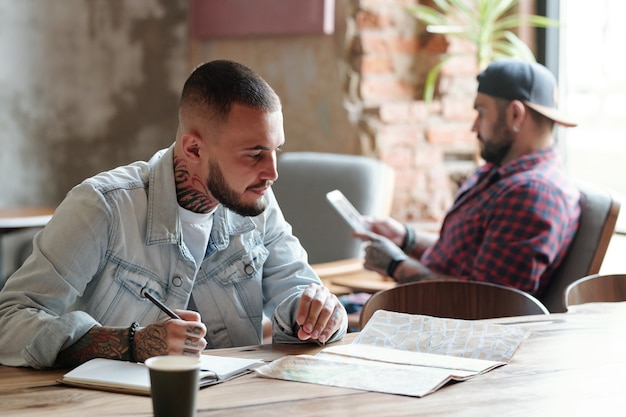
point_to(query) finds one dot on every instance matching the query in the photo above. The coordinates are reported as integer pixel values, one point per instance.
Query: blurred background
(87, 85)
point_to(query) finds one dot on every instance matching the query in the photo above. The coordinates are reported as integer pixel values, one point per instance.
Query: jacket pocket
(120, 301)
(245, 266)
(238, 283)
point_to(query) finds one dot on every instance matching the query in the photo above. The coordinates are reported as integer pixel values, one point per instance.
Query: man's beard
(230, 198)
(495, 150)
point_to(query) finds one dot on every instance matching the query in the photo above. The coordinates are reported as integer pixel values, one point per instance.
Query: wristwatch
(393, 265)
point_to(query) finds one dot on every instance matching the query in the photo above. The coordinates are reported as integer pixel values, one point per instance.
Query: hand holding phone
(347, 211)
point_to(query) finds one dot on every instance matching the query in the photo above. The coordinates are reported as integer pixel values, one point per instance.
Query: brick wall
(429, 145)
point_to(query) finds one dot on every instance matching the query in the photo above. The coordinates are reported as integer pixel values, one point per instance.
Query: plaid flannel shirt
(510, 225)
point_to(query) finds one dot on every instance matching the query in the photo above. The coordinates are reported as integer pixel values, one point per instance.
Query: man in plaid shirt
(513, 220)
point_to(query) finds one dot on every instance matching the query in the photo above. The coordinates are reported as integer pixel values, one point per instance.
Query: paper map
(405, 354)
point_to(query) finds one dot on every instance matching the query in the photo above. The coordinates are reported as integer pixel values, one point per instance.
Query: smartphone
(347, 211)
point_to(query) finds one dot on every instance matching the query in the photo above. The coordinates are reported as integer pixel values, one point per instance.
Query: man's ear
(517, 113)
(191, 144)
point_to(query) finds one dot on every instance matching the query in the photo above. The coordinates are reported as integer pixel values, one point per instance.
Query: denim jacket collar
(163, 224)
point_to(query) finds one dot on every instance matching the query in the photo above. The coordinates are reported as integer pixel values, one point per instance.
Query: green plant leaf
(431, 79)
(443, 5)
(515, 21)
(498, 8)
(487, 24)
(428, 15)
(517, 48)
(461, 6)
(446, 30)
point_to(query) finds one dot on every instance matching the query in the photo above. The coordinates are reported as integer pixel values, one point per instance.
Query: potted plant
(486, 24)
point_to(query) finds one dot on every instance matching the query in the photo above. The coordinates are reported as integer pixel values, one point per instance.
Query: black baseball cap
(530, 82)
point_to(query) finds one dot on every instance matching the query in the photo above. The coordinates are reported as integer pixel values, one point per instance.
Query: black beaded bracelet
(409, 239)
(131, 340)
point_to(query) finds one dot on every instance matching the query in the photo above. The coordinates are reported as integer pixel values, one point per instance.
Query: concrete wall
(84, 86)
(307, 73)
(87, 85)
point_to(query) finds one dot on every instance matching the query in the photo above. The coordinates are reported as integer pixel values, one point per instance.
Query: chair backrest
(306, 177)
(596, 288)
(599, 211)
(455, 299)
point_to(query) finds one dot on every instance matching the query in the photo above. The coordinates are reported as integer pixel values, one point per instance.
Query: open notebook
(134, 378)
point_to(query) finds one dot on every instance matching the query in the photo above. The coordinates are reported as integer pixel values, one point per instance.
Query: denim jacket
(119, 233)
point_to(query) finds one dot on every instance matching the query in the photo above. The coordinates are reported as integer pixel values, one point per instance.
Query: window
(592, 81)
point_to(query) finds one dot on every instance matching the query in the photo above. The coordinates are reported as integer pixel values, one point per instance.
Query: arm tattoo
(98, 342)
(112, 343)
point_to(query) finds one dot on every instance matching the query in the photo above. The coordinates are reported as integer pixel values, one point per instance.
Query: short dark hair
(216, 85)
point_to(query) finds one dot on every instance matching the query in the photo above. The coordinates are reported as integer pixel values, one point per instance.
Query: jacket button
(177, 281)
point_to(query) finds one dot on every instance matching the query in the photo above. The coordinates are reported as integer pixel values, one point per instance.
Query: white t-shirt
(196, 231)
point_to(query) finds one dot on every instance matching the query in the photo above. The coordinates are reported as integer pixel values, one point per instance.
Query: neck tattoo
(191, 192)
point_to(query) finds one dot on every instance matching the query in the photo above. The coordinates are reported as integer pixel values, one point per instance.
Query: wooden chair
(453, 299)
(596, 288)
(599, 211)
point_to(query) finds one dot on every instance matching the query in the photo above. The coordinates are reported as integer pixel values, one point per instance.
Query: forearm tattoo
(98, 342)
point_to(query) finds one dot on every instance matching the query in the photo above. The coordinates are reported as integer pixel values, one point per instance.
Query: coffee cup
(174, 385)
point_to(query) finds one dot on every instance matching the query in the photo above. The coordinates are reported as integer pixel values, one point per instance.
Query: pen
(159, 304)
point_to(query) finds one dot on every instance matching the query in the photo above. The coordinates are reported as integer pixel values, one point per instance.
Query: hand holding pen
(182, 333)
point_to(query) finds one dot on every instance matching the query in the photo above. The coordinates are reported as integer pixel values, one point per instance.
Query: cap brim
(553, 114)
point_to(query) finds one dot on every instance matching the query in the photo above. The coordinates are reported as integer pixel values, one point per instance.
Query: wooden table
(348, 275)
(20, 218)
(572, 364)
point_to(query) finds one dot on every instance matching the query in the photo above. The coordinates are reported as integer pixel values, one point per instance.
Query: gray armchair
(306, 177)
(599, 211)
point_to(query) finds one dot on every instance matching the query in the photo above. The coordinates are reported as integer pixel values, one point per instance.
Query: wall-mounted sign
(230, 18)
